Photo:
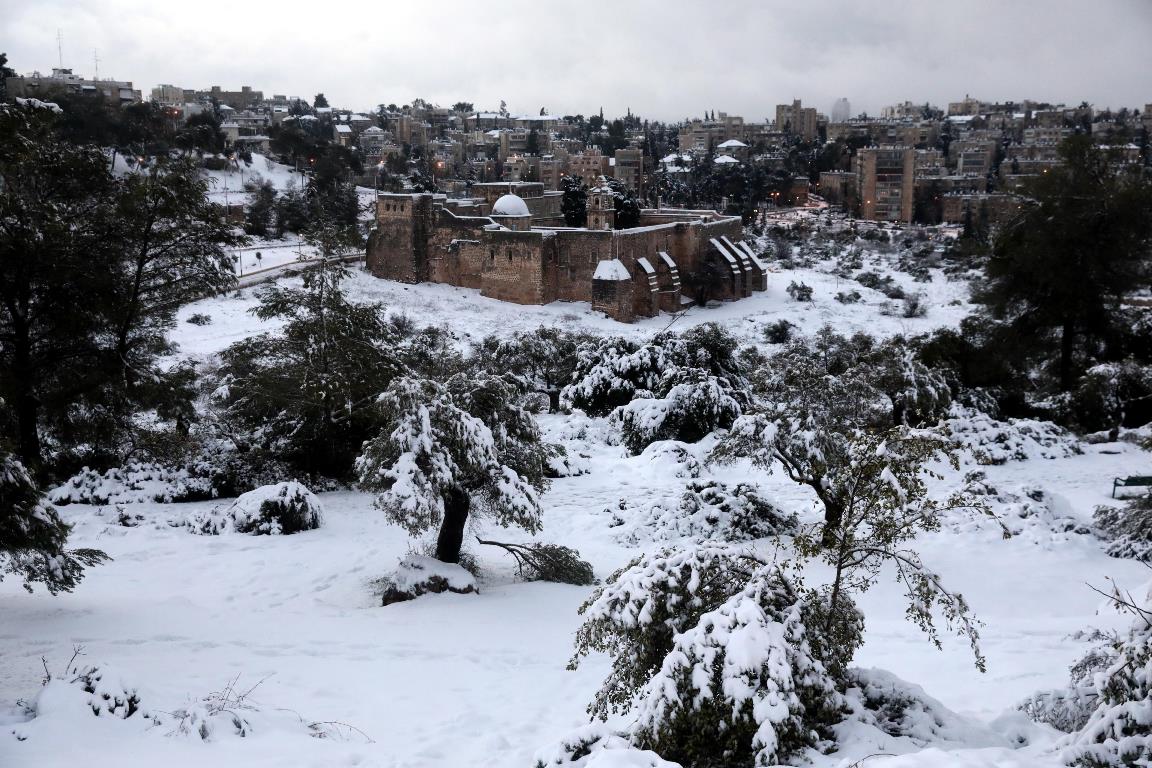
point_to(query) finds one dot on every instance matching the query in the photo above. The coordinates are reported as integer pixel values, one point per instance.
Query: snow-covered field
(480, 680)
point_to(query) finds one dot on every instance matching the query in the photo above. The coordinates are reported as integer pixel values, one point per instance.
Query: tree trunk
(1067, 339)
(26, 405)
(833, 517)
(451, 536)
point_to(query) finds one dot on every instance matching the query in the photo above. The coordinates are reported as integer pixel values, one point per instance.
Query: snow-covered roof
(725, 160)
(343, 129)
(51, 106)
(510, 205)
(373, 129)
(611, 269)
(731, 143)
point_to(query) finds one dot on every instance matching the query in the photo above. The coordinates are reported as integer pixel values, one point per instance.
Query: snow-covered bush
(914, 306)
(709, 652)
(848, 297)
(283, 508)
(907, 716)
(1119, 730)
(799, 291)
(706, 511)
(134, 482)
(669, 456)
(614, 371)
(779, 332)
(1128, 531)
(88, 690)
(741, 684)
(1106, 393)
(597, 746)
(693, 404)
(608, 374)
(992, 441)
(33, 537)
(419, 575)
(1065, 709)
(1025, 512)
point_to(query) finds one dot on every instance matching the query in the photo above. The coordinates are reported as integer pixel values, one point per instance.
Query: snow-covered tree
(886, 505)
(812, 399)
(609, 373)
(33, 537)
(741, 685)
(691, 404)
(1119, 730)
(543, 359)
(710, 656)
(448, 451)
(307, 393)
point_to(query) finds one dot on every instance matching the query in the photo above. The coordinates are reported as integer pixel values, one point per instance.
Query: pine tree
(55, 271)
(307, 393)
(1061, 269)
(33, 537)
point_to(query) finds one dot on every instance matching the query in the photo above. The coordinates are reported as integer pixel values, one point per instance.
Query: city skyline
(604, 56)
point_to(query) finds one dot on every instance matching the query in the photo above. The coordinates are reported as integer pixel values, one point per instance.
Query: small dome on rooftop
(510, 205)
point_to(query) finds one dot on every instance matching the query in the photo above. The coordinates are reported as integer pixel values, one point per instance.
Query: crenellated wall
(419, 238)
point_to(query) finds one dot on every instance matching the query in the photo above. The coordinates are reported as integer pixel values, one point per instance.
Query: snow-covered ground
(480, 680)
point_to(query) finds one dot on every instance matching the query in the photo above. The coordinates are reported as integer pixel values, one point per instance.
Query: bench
(1132, 481)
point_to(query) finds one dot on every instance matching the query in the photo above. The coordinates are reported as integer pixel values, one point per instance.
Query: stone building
(499, 243)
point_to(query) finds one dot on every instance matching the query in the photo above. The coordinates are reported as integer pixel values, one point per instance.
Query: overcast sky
(665, 60)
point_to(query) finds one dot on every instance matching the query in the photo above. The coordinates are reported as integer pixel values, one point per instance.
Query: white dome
(510, 205)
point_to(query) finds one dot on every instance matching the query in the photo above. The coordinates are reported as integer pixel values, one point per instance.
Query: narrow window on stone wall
(509, 254)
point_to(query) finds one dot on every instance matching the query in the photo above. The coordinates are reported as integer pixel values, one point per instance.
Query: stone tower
(601, 206)
(398, 248)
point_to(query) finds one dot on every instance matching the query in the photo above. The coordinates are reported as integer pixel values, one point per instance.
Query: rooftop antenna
(96, 64)
(60, 46)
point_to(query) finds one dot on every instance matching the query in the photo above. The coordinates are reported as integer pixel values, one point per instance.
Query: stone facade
(674, 256)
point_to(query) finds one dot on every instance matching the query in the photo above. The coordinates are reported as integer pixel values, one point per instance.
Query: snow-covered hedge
(283, 508)
(694, 406)
(419, 575)
(1127, 530)
(132, 483)
(992, 441)
(707, 510)
(1021, 511)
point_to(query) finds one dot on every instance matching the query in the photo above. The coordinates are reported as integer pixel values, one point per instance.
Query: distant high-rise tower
(841, 111)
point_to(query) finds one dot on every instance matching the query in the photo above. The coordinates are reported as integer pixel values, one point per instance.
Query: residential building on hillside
(886, 182)
(37, 86)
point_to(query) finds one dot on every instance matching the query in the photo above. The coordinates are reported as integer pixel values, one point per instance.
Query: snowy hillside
(275, 651)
